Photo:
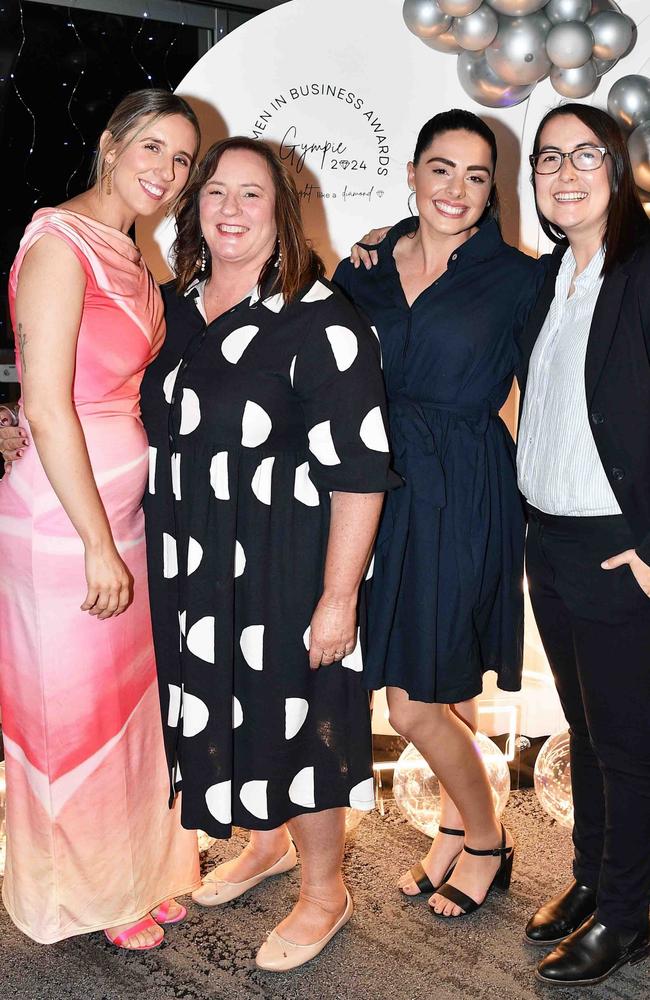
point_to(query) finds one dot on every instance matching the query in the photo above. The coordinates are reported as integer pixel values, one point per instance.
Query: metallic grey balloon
(575, 83)
(424, 18)
(518, 53)
(443, 43)
(516, 8)
(604, 65)
(598, 6)
(639, 147)
(569, 44)
(629, 101)
(559, 11)
(613, 34)
(482, 84)
(477, 30)
(459, 8)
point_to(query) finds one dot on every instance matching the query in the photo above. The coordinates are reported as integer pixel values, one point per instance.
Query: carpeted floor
(391, 949)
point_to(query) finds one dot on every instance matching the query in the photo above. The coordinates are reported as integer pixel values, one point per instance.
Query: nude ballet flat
(216, 892)
(279, 955)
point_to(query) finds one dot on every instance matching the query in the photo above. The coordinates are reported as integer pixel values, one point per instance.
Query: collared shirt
(558, 466)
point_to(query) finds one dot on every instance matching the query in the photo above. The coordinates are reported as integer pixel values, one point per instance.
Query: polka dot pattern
(271, 410)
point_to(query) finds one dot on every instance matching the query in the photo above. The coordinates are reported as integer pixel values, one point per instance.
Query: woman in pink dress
(91, 842)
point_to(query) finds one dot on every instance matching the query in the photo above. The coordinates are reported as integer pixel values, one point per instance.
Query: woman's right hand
(368, 257)
(110, 585)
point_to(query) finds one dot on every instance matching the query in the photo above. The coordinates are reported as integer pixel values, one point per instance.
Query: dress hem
(275, 823)
(99, 927)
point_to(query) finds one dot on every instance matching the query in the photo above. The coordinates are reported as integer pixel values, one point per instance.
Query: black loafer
(591, 954)
(561, 916)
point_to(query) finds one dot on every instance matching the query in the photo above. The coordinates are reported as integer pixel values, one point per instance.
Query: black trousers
(595, 628)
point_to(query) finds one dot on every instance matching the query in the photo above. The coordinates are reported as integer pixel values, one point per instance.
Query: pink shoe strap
(161, 912)
(146, 924)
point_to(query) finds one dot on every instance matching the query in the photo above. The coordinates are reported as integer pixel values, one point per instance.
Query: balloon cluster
(505, 47)
(629, 104)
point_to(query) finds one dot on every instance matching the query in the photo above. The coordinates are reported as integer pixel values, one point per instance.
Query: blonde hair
(150, 104)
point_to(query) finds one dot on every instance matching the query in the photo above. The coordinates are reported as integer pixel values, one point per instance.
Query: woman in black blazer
(584, 468)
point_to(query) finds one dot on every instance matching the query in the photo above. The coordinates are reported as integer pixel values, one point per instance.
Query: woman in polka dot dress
(266, 398)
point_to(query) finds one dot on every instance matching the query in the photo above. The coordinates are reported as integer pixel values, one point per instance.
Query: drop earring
(278, 259)
(109, 182)
(409, 201)
(203, 258)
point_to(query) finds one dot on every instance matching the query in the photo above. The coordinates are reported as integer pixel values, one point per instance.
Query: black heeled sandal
(501, 880)
(419, 875)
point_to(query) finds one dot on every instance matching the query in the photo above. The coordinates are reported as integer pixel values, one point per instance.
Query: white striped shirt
(558, 466)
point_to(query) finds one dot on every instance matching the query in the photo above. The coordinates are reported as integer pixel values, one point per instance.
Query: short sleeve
(337, 377)
(51, 226)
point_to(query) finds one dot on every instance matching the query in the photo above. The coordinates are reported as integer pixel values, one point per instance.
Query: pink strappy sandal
(160, 913)
(146, 924)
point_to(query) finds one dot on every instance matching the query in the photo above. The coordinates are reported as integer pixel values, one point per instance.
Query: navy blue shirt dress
(446, 594)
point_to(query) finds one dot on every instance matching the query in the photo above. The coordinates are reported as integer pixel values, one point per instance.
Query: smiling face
(575, 201)
(452, 182)
(237, 209)
(151, 169)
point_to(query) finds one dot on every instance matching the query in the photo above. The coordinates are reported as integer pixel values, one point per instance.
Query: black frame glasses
(535, 158)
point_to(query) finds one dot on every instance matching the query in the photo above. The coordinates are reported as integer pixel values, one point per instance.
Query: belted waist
(415, 445)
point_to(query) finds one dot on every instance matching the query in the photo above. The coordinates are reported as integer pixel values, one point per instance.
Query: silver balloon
(604, 65)
(476, 31)
(424, 18)
(575, 83)
(598, 6)
(482, 84)
(569, 44)
(639, 147)
(559, 11)
(629, 101)
(518, 53)
(613, 34)
(459, 8)
(516, 8)
(443, 43)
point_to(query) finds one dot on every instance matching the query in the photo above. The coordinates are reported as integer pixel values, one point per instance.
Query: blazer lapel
(535, 321)
(603, 325)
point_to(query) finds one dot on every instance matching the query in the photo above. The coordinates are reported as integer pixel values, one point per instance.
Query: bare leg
(446, 744)
(320, 839)
(444, 848)
(264, 848)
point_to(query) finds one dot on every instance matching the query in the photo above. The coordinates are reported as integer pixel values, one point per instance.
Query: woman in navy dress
(446, 601)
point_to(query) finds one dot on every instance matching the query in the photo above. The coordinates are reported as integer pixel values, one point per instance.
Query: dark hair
(459, 120)
(152, 103)
(297, 263)
(627, 222)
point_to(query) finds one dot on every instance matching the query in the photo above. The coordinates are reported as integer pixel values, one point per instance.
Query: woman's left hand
(333, 631)
(640, 569)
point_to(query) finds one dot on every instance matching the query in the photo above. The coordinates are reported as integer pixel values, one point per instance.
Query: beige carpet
(391, 950)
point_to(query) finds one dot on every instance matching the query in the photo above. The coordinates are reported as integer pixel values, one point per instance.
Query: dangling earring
(278, 259)
(109, 182)
(203, 259)
(409, 201)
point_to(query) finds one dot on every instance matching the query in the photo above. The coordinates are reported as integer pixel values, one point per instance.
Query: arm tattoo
(22, 344)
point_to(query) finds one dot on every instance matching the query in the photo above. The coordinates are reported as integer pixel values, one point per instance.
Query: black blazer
(617, 381)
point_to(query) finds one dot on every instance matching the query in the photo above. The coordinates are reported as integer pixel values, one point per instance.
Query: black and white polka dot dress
(252, 421)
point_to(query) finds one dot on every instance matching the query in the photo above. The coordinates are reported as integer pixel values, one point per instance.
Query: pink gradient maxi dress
(91, 842)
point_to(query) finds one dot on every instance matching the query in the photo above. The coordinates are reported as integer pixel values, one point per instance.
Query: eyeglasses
(584, 158)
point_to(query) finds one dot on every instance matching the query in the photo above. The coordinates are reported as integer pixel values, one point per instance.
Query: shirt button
(618, 474)
(597, 418)
(454, 256)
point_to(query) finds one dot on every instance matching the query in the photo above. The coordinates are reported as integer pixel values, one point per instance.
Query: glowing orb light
(553, 779)
(417, 790)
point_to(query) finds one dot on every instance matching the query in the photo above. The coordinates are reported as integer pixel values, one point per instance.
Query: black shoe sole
(633, 959)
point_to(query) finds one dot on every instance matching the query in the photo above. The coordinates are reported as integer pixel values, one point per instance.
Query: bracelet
(11, 412)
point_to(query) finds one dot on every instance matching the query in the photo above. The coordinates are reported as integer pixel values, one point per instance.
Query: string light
(81, 158)
(23, 38)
